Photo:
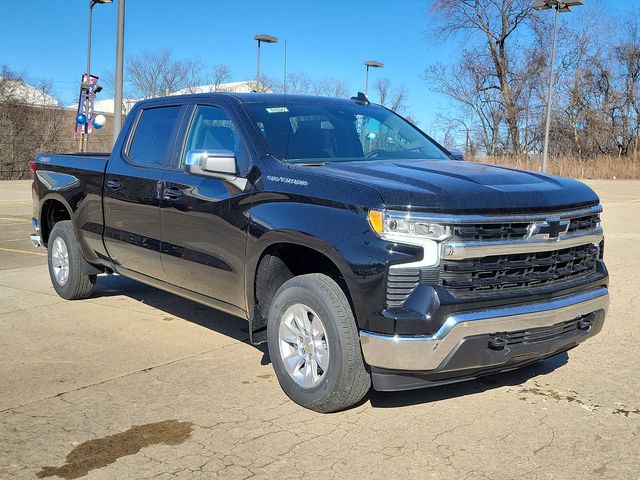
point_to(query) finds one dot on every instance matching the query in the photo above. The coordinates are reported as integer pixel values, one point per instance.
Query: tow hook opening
(497, 342)
(585, 323)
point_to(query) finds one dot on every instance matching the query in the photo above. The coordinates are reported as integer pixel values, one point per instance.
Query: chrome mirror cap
(211, 162)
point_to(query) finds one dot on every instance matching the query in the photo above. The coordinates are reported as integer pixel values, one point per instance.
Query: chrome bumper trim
(422, 353)
(36, 239)
(462, 250)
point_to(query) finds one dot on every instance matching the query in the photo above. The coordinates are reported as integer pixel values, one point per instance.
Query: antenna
(284, 80)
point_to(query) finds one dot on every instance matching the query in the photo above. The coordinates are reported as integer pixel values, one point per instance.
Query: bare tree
(492, 23)
(299, 83)
(469, 83)
(30, 123)
(153, 74)
(220, 75)
(394, 98)
(331, 87)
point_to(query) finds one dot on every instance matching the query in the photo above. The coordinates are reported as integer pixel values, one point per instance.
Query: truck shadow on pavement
(470, 387)
(175, 307)
(172, 306)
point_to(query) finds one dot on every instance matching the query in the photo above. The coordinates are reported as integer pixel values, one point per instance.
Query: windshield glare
(303, 132)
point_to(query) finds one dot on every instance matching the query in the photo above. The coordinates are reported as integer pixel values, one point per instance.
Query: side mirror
(213, 163)
(456, 155)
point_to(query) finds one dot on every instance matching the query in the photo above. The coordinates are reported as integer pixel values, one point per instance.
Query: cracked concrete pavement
(132, 356)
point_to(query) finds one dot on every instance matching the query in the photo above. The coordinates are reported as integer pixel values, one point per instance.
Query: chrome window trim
(422, 353)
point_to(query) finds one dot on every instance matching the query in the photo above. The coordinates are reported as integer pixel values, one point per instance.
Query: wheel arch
(281, 256)
(53, 209)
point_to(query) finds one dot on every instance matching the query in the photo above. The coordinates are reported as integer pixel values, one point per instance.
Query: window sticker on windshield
(277, 109)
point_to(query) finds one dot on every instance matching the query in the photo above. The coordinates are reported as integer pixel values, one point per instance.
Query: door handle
(172, 193)
(114, 184)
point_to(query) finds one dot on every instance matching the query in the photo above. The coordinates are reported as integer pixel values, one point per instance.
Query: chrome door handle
(172, 193)
(114, 184)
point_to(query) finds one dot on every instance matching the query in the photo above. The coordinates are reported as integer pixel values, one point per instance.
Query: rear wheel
(314, 345)
(65, 263)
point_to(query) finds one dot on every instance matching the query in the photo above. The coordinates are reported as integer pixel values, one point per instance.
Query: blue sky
(47, 40)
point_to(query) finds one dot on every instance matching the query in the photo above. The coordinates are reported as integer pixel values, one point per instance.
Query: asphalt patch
(100, 452)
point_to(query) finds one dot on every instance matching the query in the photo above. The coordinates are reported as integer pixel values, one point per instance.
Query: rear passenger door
(203, 222)
(133, 189)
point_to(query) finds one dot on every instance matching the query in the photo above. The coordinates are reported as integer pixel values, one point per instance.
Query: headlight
(396, 226)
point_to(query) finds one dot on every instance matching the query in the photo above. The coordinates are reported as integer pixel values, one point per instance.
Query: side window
(212, 129)
(150, 143)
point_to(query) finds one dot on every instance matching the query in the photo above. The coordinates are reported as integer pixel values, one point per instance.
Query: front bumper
(539, 326)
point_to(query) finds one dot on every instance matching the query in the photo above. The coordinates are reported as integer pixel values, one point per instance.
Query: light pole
(370, 64)
(262, 38)
(85, 135)
(560, 6)
(117, 101)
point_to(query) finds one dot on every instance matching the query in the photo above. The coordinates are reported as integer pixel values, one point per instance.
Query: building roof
(245, 86)
(21, 92)
(107, 105)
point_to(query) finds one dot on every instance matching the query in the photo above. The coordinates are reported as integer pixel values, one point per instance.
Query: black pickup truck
(352, 243)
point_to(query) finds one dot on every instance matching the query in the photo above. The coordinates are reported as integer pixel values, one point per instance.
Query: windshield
(328, 131)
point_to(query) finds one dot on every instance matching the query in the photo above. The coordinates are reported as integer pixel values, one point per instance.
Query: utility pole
(117, 107)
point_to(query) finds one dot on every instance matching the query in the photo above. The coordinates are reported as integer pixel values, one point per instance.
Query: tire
(64, 255)
(333, 343)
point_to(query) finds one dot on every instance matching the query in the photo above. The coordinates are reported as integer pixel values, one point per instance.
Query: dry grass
(601, 167)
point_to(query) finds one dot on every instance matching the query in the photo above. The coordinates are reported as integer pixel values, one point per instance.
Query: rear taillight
(32, 167)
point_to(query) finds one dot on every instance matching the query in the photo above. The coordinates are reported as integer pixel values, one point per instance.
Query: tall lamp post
(85, 135)
(560, 6)
(262, 38)
(370, 64)
(117, 101)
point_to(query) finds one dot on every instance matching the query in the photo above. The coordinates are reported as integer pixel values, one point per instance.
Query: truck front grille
(496, 255)
(519, 271)
(517, 230)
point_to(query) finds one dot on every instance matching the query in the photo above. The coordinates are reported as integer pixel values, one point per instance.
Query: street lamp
(85, 135)
(560, 6)
(262, 38)
(370, 64)
(117, 100)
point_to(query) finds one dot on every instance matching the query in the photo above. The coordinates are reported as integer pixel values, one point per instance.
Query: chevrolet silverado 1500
(355, 245)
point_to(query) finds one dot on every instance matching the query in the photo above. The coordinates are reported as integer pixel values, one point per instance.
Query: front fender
(319, 227)
(340, 233)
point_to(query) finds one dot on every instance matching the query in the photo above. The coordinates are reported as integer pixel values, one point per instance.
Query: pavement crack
(125, 375)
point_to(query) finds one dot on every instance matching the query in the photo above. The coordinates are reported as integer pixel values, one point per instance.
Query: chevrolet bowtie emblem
(549, 229)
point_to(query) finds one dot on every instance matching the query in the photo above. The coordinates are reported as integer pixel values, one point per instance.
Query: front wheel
(314, 345)
(65, 263)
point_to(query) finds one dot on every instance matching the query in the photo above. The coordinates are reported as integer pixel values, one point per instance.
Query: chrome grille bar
(464, 250)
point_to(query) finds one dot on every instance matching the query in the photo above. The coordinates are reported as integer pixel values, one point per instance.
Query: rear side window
(150, 143)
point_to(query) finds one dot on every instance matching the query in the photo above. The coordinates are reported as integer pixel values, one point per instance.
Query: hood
(458, 187)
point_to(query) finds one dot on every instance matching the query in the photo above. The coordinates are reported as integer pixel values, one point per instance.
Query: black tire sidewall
(297, 291)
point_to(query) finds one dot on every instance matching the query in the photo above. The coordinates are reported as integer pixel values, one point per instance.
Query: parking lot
(138, 383)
